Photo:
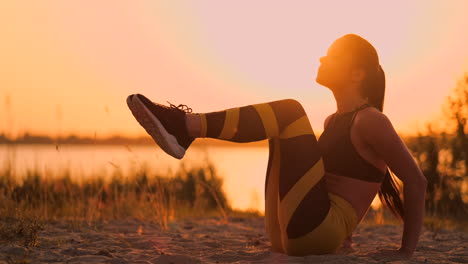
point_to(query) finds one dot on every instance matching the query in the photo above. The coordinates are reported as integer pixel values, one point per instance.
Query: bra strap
(356, 111)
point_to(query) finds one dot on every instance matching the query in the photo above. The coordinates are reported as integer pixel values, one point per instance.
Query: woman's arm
(377, 131)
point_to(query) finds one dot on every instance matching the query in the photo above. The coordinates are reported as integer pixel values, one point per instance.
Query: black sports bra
(339, 154)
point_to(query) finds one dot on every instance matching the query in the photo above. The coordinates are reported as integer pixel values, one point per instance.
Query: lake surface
(242, 168)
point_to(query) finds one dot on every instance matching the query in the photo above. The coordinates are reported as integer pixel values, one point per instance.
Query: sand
(209, 240)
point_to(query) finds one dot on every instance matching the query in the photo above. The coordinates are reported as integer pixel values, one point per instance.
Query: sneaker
(166, 125)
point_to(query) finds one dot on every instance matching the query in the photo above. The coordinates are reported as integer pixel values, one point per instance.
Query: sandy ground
(208, 240)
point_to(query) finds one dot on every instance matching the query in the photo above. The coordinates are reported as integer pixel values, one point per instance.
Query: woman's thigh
(296, 198)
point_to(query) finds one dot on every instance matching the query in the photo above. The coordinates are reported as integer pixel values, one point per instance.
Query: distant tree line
(27, 138)
(442, 154)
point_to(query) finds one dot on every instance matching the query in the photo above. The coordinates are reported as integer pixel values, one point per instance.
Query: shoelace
(180, 107)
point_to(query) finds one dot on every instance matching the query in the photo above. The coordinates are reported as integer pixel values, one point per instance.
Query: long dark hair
(374, 89)
(389, 192)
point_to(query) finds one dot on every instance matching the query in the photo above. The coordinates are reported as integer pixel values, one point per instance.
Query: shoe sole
(154, 128)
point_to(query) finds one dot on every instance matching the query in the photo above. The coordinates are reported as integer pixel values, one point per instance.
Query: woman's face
(336, 66)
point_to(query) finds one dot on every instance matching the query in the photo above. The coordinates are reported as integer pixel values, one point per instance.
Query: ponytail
(389, 194)
(374, 90)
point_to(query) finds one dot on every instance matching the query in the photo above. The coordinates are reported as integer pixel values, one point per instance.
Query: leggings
(301, 216)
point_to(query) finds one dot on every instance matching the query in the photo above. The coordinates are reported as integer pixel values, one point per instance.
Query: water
(242, 168)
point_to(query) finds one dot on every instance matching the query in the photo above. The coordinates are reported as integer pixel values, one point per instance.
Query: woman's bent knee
(287, 111)
(293, 105)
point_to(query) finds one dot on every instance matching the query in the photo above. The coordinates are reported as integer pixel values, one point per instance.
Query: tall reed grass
(141, 195)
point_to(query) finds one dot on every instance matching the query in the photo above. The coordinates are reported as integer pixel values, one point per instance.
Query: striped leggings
(301, 216)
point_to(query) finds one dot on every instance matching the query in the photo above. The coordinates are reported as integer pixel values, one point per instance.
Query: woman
(316, 191)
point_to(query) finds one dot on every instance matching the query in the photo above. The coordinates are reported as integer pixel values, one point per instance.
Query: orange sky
(67, 67)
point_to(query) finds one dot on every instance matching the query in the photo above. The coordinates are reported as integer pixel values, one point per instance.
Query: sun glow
(68, 67)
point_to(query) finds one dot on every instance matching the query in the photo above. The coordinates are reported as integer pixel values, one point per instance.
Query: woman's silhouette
(316, 191)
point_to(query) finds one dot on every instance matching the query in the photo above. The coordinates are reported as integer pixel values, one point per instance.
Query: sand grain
(209, 240)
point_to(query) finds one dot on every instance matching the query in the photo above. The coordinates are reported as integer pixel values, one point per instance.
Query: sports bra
(339, 154)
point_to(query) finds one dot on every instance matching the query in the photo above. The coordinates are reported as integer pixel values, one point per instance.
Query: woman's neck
(348, 101)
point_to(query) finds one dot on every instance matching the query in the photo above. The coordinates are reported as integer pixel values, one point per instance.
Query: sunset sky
(68, 66)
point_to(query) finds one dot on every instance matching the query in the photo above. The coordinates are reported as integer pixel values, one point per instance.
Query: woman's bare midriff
(358, 193)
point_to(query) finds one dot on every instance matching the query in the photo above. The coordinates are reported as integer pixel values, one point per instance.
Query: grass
(141, 196)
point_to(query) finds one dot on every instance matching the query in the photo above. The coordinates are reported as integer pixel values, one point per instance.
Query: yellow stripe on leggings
(297, 193)
(340, 221)
(203, 125)
(297, 128)
(268, 119)
(324, 239)
(230, 123)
